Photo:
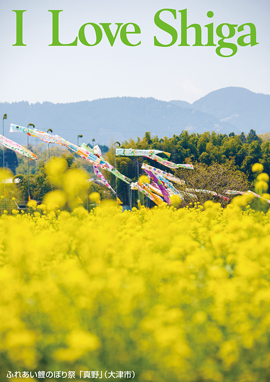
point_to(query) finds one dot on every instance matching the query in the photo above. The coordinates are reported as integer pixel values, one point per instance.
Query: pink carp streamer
(102, 178)
(165, 174)
(16, 147)
(158, 183)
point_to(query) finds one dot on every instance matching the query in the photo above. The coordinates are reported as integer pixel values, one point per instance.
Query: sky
(38, 72)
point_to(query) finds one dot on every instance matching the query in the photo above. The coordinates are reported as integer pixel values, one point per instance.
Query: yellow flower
(263, 176)
(144, 180)
(94, 197)
(261, 186)
(54, 200)
(175, 200)
(32, 204)
(257, 167)
(55, 169)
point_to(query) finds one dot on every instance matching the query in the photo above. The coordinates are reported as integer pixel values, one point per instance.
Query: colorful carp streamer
(97, 181)
(91, 156)
(158, 183)
(95, 148)
(102, 178)
(234, 192)
(170, 164)
(165, 174)
(208, 192)
(151, 154)
(103, 163)
(145, 190)
(88, 154)
(32, 132)
(161, 183)
(16, 147)
(139, 152)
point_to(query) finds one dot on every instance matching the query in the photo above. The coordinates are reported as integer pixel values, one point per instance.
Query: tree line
(241, 151)
(208, 148)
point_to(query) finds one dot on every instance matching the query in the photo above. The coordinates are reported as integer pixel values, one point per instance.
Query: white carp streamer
(16, 147)
(151, 154)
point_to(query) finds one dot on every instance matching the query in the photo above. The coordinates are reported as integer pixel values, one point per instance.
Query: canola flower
(173, 294)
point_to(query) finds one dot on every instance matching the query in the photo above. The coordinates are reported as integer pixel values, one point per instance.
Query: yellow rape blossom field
(171, 294)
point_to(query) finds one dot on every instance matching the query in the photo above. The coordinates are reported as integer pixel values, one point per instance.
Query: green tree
(252, 136)
(216, 177)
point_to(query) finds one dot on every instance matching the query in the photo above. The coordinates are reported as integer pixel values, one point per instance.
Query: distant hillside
(117, 119)
(238, 106)
(182, 104)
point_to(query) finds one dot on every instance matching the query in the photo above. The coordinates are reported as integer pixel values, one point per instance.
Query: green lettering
(124, 32)
(55, 30)
(252, 35)
(19, 28)
(210, 28)
(108, 32)
(184, 28)
(222, 43)
(165, 27)
(98, 32)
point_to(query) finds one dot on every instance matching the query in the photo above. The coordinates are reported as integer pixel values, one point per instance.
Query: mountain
(117, 119)
(184, 104)
(240, 107)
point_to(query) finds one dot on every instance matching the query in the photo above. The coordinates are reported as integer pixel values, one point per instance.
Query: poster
(150, 295)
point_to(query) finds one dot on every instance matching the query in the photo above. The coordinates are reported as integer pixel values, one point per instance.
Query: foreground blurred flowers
(175, 295)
